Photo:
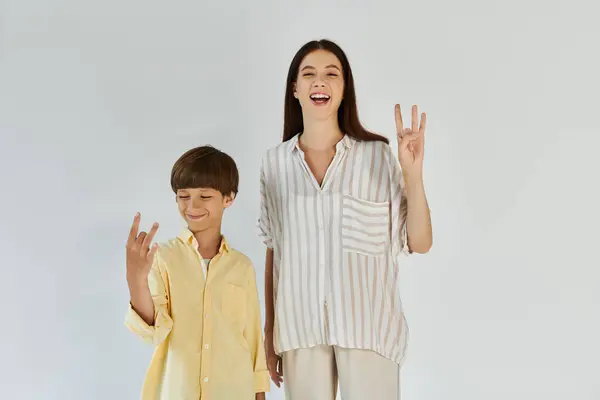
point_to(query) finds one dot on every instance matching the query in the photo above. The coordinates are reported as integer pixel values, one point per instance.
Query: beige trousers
(314, 374)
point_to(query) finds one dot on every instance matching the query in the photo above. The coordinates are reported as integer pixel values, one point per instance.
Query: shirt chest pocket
(365, 226)
(233, 303)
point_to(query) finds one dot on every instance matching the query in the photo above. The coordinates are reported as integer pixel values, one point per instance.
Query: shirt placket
(206, 347)
(205, 357)
(324, 269)
(328, 181)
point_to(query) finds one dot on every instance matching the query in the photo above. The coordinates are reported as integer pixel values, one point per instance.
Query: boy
(195, 297)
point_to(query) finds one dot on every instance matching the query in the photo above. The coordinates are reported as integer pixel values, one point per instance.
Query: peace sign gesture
(411, 141)
(139, 253)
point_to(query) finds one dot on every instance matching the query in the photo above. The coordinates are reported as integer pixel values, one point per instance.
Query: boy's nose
(194, 204)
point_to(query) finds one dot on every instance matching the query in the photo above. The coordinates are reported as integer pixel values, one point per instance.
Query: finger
(142, 248)
(415, 124)
(411, 136)
(152, 252)
(423, 123)
(140, 241)
(150, 236)
(134, 230)
(280, 369)
(407, 136)
(273, 372)
(399, 124)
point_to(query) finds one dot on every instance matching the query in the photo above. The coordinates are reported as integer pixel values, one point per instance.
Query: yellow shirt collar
(188, 237)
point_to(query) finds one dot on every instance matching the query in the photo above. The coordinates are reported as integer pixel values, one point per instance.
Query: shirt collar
(347, 141)
(187, 237)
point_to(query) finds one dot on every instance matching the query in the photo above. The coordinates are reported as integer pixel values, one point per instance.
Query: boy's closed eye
(202, 197)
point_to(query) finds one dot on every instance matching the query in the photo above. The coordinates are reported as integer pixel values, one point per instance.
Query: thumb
(152, 252)
(408, 136)
(406, 139)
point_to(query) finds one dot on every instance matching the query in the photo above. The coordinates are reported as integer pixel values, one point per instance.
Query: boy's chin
(198, 226)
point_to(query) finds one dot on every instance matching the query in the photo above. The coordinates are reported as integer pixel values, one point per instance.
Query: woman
(337, 212)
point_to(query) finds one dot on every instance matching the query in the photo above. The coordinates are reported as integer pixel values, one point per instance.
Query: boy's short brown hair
(205, 167)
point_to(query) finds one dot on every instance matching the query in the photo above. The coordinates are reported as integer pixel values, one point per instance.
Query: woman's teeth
(319, 98)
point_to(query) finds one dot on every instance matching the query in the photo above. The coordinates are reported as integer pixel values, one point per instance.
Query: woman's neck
(321, 135)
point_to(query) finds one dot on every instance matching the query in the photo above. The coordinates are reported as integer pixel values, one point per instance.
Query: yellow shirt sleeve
(253, 335)
(158, 284)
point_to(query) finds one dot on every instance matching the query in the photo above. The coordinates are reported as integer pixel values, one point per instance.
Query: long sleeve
(253, 336)
(158, 284)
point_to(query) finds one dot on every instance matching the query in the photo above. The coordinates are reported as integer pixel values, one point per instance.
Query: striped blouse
(336, 247)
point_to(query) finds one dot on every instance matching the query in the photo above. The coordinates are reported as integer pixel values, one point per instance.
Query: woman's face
(319, 85)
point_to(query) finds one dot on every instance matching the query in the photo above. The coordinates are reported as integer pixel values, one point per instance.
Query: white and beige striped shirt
(336, 247)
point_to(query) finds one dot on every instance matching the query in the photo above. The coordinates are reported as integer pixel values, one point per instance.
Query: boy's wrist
(136, 279)
(137, 284)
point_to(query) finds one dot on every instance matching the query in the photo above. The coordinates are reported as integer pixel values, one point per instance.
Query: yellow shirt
(207, 332)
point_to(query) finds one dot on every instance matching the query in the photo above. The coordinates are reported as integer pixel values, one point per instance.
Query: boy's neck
(209, 242)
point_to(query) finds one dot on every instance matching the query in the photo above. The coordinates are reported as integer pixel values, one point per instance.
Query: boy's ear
(228, 199)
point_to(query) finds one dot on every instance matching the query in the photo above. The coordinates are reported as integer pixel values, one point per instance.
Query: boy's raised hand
(139, 254)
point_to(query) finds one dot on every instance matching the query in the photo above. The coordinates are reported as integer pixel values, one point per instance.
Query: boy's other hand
(139, 255)
(274, 362)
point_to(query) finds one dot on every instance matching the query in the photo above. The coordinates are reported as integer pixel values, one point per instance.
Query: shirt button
(206, 346)
(205, 379)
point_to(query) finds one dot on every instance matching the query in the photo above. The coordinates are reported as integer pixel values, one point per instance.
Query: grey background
(98, 99)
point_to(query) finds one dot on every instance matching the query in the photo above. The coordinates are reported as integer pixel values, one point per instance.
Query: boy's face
(202, 208)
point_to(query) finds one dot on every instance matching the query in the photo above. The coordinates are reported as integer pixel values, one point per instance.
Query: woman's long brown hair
(347, 113)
